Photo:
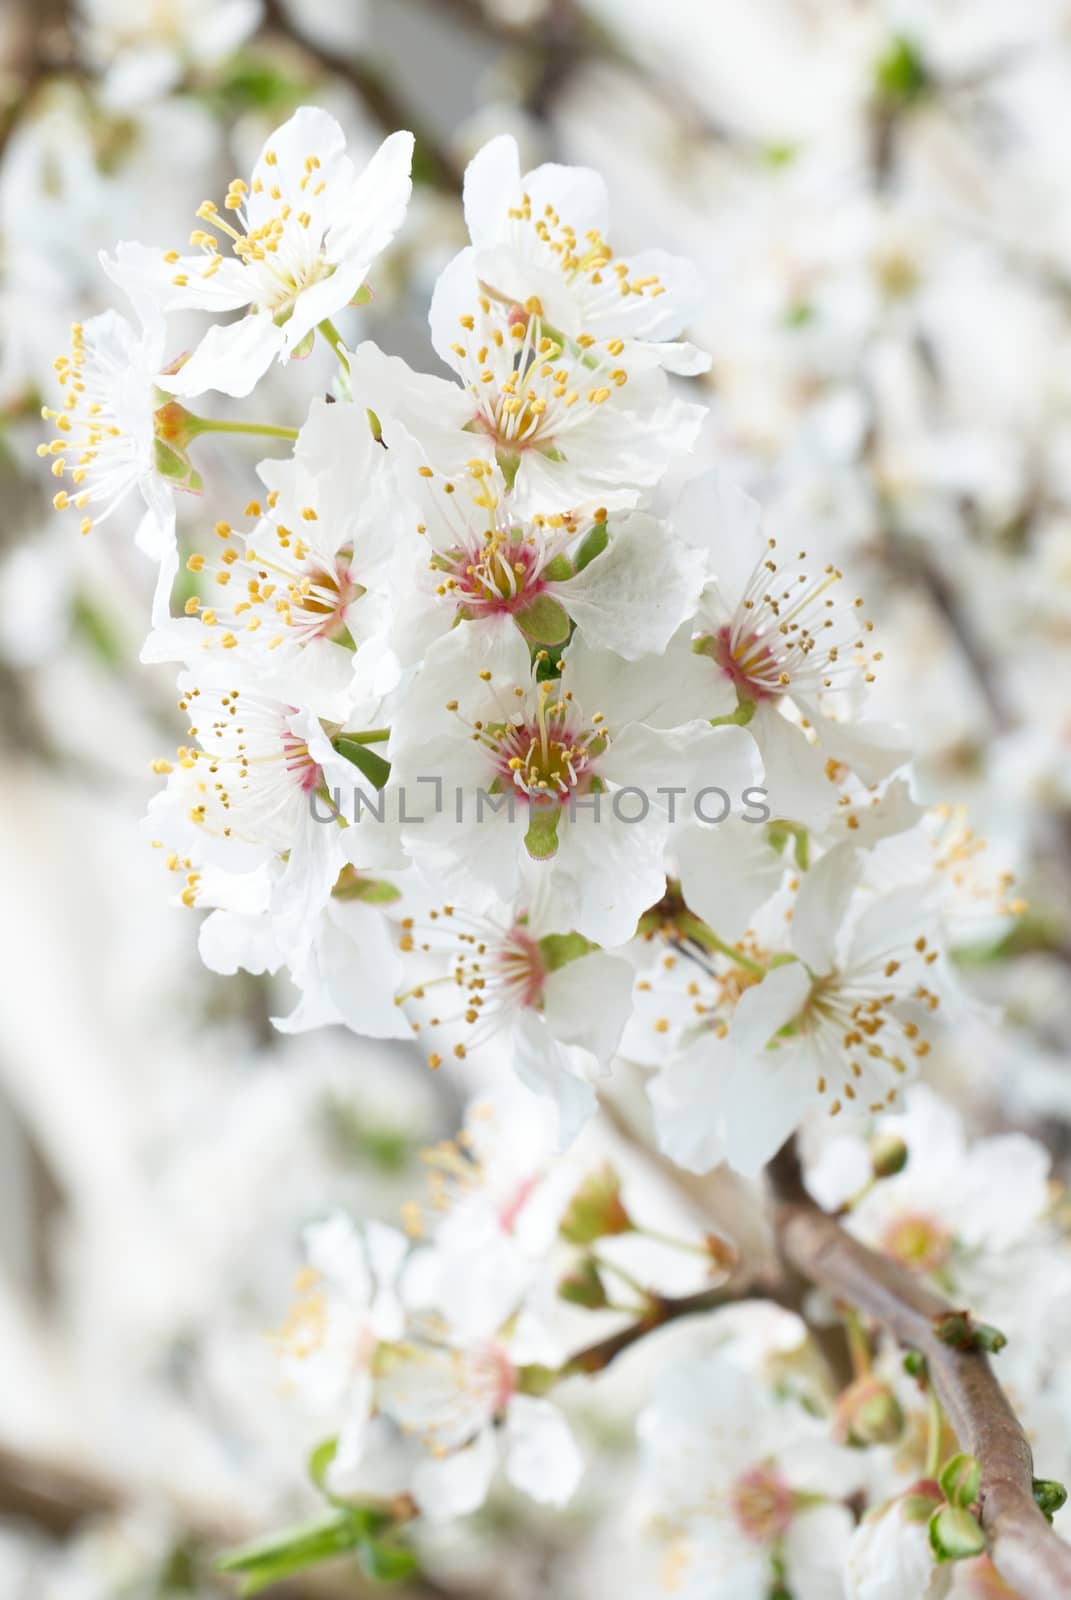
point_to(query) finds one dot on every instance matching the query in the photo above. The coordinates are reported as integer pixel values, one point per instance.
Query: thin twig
(1024, 1548)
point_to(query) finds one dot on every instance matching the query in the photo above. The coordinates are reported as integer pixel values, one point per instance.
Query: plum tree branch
(1023, 1546)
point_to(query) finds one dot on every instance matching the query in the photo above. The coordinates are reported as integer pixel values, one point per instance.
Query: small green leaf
(592, 545)
(266, 1561)
(320, 1460)
(543, 620)
(955, 1535)
(960, 1479)
(387, 1562)
(375, 769)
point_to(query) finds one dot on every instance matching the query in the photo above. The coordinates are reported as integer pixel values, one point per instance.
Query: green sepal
(739, 718)
(372, 891)
(558, 949)
(955, 1535)
(363, 297)
(543, 620)
(176, 468)
(593, 544)
(900, 74)
(960, 1479)
(560, 570)
(303, 348)
(583, 1286)
(596, 1210)
(541, 840)
(375, 769)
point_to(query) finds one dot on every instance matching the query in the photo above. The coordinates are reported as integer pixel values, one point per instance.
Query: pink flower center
(307, 772)
(501, 576)
(762, 1504)
(748, 661)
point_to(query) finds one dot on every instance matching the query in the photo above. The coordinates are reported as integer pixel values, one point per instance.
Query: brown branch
(664, 1310)
(1024, 1548)
(390, 110)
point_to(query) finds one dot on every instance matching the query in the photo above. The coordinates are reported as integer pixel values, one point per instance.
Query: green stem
(605, 1265)
(267, 430)
(373, 736)
(676, 1244)
(935, 1419)
(335, 340)
(858, 1343)
(693, 928)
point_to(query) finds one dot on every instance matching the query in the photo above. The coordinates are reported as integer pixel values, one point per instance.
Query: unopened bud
(867, 1413)
(960, 1480)
(596, 1209)
(915, 1365)
(955, 1535)
(1049, 1495)
(584, 1287)
(888, 1156)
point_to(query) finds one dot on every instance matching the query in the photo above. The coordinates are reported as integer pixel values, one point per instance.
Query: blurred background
(879, 196)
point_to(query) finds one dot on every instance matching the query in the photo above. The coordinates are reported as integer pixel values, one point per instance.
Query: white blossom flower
(975, 1219)
(843, 1022)
(781, 644)
(305, 598)
(742, 1487)
(548, 774)
(890, 1556)
(240, 799)
(622, 577)
(570, 423)
(303, 232)
(544, 235)
(509, 974)
(114, 434)
(458, 1388)
(347, 1304)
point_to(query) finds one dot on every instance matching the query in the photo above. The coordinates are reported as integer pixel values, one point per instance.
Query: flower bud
(1049, 1495)
(596, 1209)
(889, 1557)
(584, 1287)
(867, 1413)
(888, 1156)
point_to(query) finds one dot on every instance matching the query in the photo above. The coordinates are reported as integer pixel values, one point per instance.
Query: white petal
(542, 1457)
(727, 872)
(587, 1003)
(457, 1484)
(634, 596)
(543, 1066)
(230, 358)
(821, 906)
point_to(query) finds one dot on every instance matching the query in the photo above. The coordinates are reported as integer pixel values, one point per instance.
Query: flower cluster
(512, 732)
(491, 731)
